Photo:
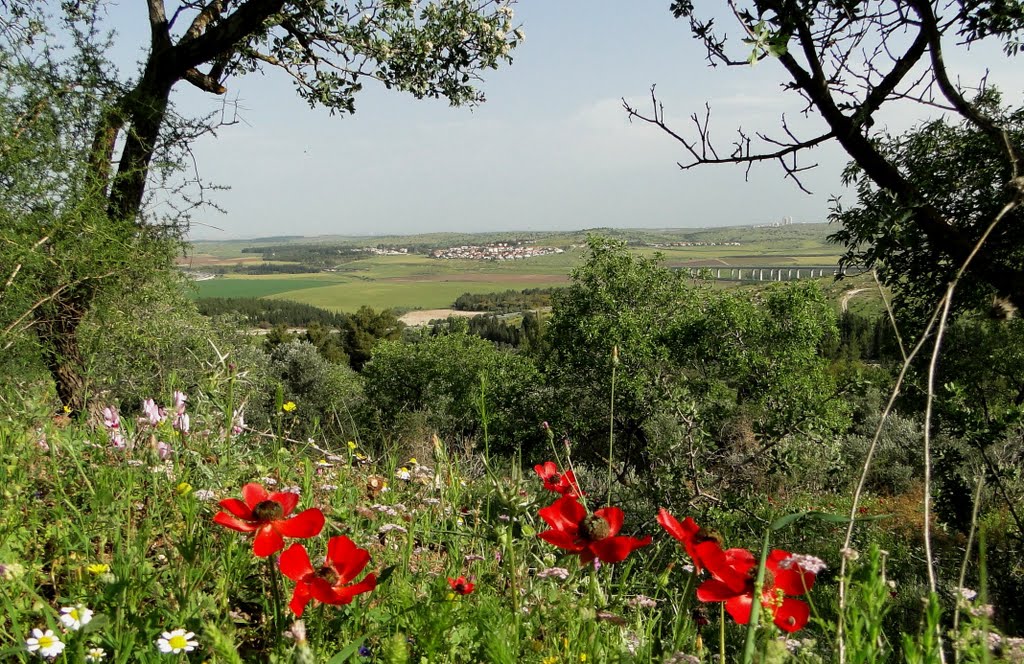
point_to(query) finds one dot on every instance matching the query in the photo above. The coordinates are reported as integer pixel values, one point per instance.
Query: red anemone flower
(734, 572)
(563, 483)
(688, 533)
(461, 585)
(590, 535)
(265, 514)
(327, 583)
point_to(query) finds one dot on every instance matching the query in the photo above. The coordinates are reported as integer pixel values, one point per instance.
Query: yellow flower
(451, 596)
(183, 489)
(98, 568)
(288, 407)
(550, 660)
(583, 657)
(67, 410)
(413, 461)
(351, 445)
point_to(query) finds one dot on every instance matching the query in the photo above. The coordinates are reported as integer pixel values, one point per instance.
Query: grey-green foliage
(152, 341)
(446, 375)
(327, 395)
(897, 462)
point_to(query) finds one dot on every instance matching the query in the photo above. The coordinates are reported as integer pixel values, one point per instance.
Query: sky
(550, 149)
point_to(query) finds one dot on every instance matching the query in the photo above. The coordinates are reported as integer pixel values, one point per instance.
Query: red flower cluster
(592, 536)
(266, 515)
(733, 572)
(562, 483)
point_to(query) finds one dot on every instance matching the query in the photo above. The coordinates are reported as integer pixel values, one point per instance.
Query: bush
(448, 376)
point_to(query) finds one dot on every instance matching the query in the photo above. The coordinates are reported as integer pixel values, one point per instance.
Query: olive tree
(428, 48)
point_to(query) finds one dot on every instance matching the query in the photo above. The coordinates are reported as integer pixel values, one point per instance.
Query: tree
(427, 48)
(847, 60)
(361, 330)
(963, 175)
(744, 361)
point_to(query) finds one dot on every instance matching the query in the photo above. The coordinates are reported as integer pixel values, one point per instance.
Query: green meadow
(416, 281)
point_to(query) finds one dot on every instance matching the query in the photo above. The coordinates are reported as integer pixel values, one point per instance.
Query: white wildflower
(74, 617)
(176, 642)
(45, 644)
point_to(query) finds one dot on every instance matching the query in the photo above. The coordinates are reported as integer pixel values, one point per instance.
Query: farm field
(415, 281)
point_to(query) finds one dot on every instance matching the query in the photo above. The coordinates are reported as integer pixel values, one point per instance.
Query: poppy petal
(286, 499)
(253, 494)
(295, 563)
(347, 559)
(564, 514)
(614, 516)
(307, 523)
(716, 562)
(739, 608)
(793, 581)
(561, 539)
(228, 521)
(366, 585)
(547, 470)
(673, 527)
(236, 507)
(714, 590)
(792, 615)
(300, 598)
(268, 541)
(615, 549)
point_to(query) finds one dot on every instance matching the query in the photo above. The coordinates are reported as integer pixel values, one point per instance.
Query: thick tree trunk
(58, 335)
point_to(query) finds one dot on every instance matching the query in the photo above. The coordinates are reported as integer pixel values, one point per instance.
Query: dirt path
(844, 301)
(422, 317)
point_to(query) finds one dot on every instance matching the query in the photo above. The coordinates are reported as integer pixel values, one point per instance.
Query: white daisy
(45, 644)
(74, 617)
(177, 641)
(95, 655)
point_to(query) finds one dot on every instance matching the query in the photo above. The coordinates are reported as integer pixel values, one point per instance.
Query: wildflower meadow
(139, 538)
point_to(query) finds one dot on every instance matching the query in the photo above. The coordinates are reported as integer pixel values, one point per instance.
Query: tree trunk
(58, 335)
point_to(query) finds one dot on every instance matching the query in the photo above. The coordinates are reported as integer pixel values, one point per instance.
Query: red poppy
(734, 572)
(265, 514)
(327, 584)
(562, 483)
(461, 585)
(688, 533)
(590, 535)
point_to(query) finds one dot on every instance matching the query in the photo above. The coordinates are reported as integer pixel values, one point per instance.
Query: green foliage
(959, 170)
(153, 341)
(505, 302)
(326, 394)
(363, 329)
(448, 376)
(259, 312)
(735, 375)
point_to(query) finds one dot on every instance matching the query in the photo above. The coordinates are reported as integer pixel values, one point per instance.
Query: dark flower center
(268, 510)
(460, 588)
(328, 574)
(595, 528)
(769, 578)
(707, 535)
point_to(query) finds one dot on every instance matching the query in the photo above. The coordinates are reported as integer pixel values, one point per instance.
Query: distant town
(496, 251)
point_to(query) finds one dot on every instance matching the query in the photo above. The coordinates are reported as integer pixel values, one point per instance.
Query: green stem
(749, 646)
(611, 425)
(275, 592)
(721, 632)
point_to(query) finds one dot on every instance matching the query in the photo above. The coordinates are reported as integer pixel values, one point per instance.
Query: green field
(419, 282)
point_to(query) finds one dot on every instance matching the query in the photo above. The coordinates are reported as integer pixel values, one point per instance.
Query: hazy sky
(550, 149)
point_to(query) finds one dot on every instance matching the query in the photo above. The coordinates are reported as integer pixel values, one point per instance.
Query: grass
(131, 537)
